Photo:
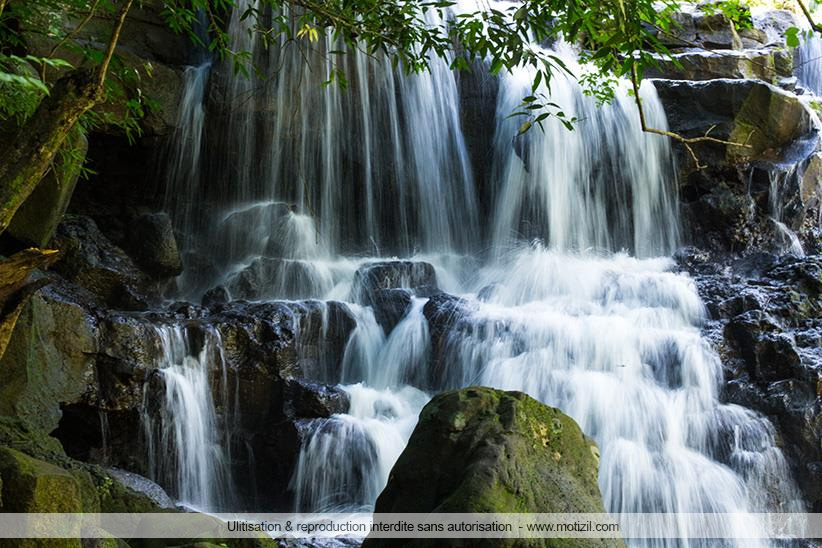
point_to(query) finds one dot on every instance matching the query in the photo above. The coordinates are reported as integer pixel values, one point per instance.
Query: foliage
(26, 78)
(736, 11)
(618, 37)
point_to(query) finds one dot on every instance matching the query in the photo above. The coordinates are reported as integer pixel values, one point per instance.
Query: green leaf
(792, 37)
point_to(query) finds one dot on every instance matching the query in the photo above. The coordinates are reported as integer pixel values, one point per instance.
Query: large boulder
(769, 65)
(280, 278)
(487, 451)
(707, 27)
(152, 244)
(91, 261)
(37, 219)
(50, 357)
(32, 485)
(372, 283)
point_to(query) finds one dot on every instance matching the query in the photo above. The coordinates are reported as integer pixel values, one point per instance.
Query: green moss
(488, 451)
(32, 485)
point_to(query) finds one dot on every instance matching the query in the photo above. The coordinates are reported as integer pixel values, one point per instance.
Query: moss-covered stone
(484, 450)
(98, 490)
(37, 219)
(49, 359)
(32, 485)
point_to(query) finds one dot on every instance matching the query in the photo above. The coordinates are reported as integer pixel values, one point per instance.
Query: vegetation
(43, 97)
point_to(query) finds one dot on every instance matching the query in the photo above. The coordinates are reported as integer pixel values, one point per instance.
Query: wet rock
(91, 261)
(305, 399)
(484, 450)
(36, 220)
(153, 246)
(390, 306)
(771, 175)
(765, 322)
(478, 92)
(215, 296)
(417, 276)
(284, 278)
(769, 355)
(129, 350)
(255, 221)
(449, 319)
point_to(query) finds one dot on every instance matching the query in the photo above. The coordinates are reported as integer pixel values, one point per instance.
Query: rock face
(37, 219)
(388, 287)
(49, 358)
(711, 29)
(72, 363)
(765, 321)
(749, 192)
(768, 65)
(153, 246)
(91, 261)
(484, 450)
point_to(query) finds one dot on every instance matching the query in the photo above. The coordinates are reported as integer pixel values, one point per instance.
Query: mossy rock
(98, 490)
(32, 485)
(488, 451)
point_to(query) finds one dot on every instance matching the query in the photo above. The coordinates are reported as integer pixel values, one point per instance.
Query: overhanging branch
(687, 142)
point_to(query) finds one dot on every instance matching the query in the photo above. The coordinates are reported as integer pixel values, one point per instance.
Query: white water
(606, 185)
(185, 451)
(568, 313)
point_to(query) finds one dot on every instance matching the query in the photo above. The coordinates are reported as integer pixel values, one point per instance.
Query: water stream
(567, 282)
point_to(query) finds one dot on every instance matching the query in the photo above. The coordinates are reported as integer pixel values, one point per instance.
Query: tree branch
(686, 141)
(102, 71)
(68, 37)
(807, 14)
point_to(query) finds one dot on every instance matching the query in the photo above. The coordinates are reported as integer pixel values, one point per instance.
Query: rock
(37, 219)
(484, 450)
(773, 174)
(90, 260)
(417, 276)
(750, 112)
(50, 357)
(765, 312)
(32, 485)
(390, 307)
(769, 356)
(153, 246)
(763, 64)
(279, 278)
(215, 296)
(478, 92)
(255, 221)
(307, 400)
(706, 27)
(774, 23)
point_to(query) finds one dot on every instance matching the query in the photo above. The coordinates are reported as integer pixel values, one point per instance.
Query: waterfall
(186, 454)
(605, 185)
(378, 165)
(345, 459)
(577, 303)
(809, 63)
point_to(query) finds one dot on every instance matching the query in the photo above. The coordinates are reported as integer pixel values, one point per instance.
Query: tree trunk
(25, 160)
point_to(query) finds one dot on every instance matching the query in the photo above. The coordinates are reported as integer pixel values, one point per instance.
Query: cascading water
(605, 185)
(576, 305)
(185, 450)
